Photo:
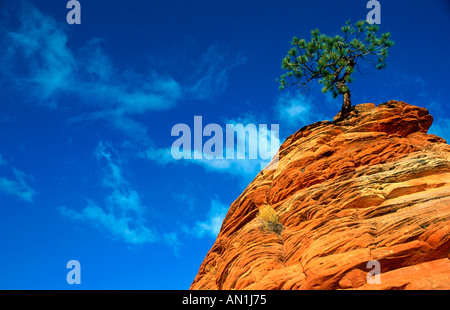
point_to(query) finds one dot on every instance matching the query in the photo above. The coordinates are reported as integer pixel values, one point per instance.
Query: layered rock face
(372, 187)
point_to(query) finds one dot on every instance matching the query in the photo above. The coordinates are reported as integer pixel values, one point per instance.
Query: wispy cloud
(17, 185)
(38, 47)
(210, 226)
(120, 227)
(243, 168)
(123, 213)
(161, 156)
(240, 163)
(38, 50)
(295, 110)
(408, 79)
(37, 57)
(211, 76)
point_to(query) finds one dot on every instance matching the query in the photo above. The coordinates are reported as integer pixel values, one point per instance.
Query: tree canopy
(332, 60)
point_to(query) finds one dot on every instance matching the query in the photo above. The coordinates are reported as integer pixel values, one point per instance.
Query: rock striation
(371, 187)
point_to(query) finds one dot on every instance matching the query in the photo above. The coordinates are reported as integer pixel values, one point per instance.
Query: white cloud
(296, 110)
(244, 169)
(211, 76)
(209, 227)
(240, 164)
(162, 156)
(122, 227)
(123, 214)
(18, 186)
(37, 57)
(89, 73)
(41, 45)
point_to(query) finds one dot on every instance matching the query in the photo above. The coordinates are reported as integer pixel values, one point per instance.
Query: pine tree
(332, 60)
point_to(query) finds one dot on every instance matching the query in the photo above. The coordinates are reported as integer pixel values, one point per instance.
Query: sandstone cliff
(374, 186)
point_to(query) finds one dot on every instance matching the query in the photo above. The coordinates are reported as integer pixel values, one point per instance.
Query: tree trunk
(347, 105)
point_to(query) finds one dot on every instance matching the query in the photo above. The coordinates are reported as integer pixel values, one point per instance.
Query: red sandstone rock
(353, 279)
(374, 186)
(432, 275)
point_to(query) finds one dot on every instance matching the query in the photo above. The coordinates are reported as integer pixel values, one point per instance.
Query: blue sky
(86, 113)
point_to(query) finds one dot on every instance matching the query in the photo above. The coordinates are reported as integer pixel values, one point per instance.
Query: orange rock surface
(373, 186)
